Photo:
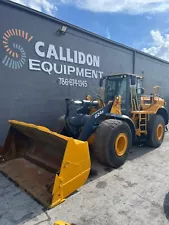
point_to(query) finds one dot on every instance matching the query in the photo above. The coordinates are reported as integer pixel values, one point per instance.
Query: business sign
(72, 67)
(15, 56)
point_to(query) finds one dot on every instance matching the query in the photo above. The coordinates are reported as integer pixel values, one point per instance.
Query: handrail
(156, 91)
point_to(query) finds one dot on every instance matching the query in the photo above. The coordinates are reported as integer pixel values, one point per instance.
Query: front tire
(156, 131)
(113, 139)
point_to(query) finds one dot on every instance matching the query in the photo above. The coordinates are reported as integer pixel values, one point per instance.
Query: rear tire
(156, 131)
(113, 139)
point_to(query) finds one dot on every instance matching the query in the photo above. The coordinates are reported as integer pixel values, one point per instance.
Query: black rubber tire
(104, 142)
(152, 131)
(60, 125)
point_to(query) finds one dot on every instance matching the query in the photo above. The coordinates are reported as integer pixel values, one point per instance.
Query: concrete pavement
(134, 194)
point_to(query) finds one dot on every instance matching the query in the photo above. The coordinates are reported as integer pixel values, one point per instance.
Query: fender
(125, 119)
(164, 113)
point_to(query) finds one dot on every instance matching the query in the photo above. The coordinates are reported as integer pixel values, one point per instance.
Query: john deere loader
(52, 165)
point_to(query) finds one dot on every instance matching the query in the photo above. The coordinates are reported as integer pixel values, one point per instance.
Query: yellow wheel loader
(52, 165)
(118, 118)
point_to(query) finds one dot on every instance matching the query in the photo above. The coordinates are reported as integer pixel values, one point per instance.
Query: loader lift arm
(93, 121)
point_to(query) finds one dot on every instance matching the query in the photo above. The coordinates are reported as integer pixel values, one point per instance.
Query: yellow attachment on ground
(60, 222)
(46, 164)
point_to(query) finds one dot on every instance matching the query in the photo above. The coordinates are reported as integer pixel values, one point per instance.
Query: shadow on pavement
(99, 170)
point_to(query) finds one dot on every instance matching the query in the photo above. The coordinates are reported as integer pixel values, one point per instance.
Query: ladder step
(143, 123)
(143, 132)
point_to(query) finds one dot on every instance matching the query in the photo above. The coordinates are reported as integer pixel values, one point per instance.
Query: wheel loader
(51, 165)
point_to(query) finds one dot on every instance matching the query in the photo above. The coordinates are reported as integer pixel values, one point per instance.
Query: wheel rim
(160, 131)
(121, 144)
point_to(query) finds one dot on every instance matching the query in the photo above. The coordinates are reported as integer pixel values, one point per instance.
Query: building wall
(34, 95)
(155, 73)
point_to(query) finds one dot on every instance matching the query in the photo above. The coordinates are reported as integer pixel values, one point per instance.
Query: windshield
(115, 86)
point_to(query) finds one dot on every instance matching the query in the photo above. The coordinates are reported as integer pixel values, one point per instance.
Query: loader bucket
(45, 164)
